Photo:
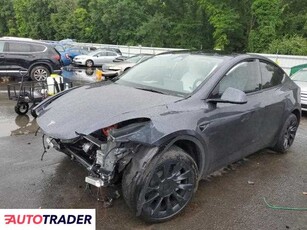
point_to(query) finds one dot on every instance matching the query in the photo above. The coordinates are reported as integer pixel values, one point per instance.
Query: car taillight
(57, 57)
(107, 130)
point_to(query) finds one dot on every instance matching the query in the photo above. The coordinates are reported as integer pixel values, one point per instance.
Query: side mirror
(231, 96)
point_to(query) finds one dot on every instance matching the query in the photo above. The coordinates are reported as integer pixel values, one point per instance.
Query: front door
(232, 130)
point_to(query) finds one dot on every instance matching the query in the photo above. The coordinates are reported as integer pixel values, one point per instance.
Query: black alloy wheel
(287, 135)
(167, 186)
(170, 189)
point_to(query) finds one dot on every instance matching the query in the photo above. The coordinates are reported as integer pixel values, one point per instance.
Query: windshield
(177, 74)
(300, 76)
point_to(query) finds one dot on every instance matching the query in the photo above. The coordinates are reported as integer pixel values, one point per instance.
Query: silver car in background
(300, 78)
(96, 58)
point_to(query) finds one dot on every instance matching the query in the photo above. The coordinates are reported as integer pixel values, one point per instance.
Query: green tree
(7, 18)
(33, 18)
(266, 20)
(291, 45)
(121, 20)
(229, 30)
(63, 11)
(294, 18)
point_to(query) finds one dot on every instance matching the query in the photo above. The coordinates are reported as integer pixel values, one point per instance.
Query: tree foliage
(230, 25)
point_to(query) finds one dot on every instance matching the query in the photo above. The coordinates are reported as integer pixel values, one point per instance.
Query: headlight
(114, 68)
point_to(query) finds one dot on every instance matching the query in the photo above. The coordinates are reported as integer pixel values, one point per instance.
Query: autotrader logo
(77, 219)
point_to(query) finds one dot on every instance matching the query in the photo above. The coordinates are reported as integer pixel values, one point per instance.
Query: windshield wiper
(150, 90)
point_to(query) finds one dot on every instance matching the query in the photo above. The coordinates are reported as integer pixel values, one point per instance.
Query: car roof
(217, 53)
(26, 40)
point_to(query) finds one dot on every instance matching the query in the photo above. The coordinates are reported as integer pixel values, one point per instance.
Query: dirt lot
(228, 200)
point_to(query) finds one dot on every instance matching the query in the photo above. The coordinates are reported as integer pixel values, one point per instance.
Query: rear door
(18, 56)
(111, 56)
(232, 131)
(274, 99)
(100, 58)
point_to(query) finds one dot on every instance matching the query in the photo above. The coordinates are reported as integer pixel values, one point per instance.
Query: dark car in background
(19, 56)
(171, 121)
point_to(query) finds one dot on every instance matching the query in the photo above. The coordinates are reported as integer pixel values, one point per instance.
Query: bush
(294, 45)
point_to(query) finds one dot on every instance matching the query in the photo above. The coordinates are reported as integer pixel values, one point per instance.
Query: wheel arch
(194, 148)
(297, 113)
(48, 66)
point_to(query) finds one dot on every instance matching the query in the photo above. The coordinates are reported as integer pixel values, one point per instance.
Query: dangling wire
(44, 146)
(35, 134)
(283, 208)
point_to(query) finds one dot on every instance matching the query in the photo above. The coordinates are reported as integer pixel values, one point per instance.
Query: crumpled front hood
(99, 105)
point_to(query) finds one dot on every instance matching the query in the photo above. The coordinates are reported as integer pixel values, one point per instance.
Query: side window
(111, 54)
(244, 76)
(271, 75)
(103, 53)
(1, 46)
(18, 47)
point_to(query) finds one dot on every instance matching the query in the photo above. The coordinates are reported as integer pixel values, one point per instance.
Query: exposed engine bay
(104, 153)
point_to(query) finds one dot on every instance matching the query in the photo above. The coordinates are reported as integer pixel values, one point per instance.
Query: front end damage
(106, 152)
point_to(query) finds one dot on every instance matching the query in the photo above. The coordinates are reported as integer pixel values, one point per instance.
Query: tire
(163, 188)
(89, 63)
(22, 108)
(39, 73)
(287, 135)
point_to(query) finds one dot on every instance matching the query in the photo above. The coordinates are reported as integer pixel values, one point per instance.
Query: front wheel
(89, 63)
(22, 108)
(164, 188)
(287, 135)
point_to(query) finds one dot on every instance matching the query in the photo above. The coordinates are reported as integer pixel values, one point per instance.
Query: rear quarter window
(1, 46)
(37, 48)
(271, 75)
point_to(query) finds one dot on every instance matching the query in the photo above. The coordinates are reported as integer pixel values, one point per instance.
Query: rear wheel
(287, 135)
(39, 73)
(164, 188)
(22, 108)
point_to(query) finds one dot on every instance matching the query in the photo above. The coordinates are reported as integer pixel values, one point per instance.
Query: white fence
(285, 61)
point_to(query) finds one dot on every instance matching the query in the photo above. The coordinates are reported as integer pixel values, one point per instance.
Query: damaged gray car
(171, 121)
